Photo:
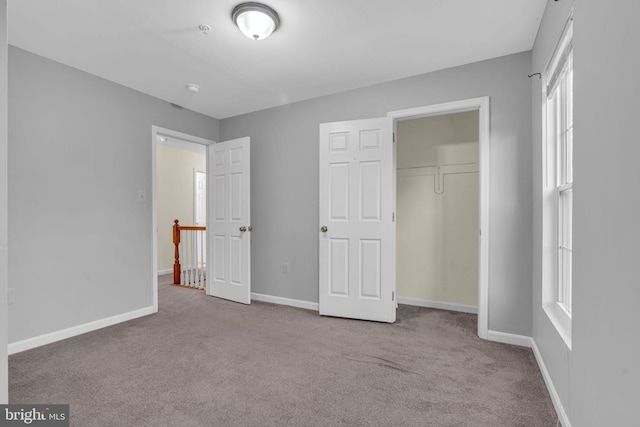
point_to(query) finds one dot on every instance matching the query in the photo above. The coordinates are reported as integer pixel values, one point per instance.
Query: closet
(437, 211)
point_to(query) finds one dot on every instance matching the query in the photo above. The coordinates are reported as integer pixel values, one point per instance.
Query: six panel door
(229, 222)
(357, 229)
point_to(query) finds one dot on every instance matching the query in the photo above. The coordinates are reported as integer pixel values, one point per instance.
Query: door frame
(156, 133)
(482, 105)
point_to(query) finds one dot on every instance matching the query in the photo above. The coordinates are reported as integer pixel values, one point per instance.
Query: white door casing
(229, 224)
(357, 205)
(157, 133)
(481, 104)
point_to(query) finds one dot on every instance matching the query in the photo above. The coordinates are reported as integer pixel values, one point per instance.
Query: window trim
(556, 311)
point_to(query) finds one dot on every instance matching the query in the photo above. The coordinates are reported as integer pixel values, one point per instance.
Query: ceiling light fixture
(193, 88)
(256, 20)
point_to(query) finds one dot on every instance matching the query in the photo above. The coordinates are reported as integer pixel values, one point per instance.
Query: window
(558, 186)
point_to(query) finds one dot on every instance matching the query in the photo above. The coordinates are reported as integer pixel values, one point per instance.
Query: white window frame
(558, 185)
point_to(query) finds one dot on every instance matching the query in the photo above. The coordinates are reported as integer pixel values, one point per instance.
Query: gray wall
(80, 149)
(284, 178)
(607, 215)
(599, 379)
(549, 342)
(3, 204)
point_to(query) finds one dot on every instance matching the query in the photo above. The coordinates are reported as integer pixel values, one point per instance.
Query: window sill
(560, 320)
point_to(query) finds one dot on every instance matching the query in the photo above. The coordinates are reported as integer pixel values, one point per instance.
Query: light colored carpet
(202, 361)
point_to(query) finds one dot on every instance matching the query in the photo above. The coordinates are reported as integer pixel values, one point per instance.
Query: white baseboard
(513, 339)
(524, 341)
(51, 337)
(164, 272)
(555, 398)
(285, 301)
(439, 304)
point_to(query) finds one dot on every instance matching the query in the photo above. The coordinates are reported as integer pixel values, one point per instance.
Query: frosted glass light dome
(256, 21)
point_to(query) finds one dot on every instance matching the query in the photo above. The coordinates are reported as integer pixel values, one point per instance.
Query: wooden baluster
(176, 242)
(189, 272)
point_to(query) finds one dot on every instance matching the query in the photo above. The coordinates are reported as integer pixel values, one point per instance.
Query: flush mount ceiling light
(256, 21)
(193, 88)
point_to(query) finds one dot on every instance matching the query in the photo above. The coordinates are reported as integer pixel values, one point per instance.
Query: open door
(357, 229)
(229, 225)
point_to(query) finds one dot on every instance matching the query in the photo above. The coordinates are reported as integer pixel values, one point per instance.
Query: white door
(229, 224)
(357, 229)
(200, 209)
(200, 197)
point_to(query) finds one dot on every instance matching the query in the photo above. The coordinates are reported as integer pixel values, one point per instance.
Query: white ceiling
(322, 47)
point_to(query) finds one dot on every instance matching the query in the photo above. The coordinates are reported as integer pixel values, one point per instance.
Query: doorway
(176, 158)
(481, 105)
(357, 230)
(437, 211)
(228, 213)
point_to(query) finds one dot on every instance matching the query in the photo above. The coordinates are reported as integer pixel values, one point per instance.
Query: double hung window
(558, 88)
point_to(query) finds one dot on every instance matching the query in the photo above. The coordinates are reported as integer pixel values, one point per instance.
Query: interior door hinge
(394, 137)
(393, 295)
(393, 217)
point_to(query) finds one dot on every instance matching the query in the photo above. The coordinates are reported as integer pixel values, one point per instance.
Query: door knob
(324, 229)
(243, 228)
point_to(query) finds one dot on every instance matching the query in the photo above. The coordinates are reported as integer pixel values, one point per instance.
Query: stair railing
(190, 243)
